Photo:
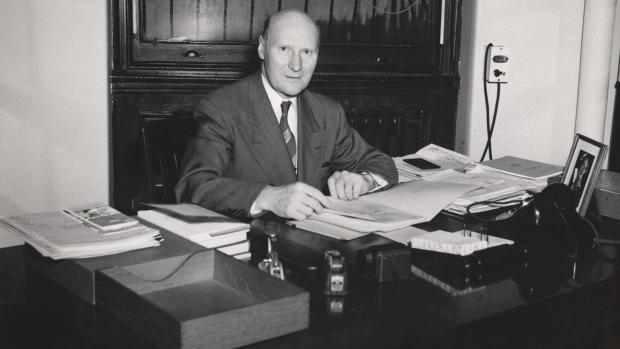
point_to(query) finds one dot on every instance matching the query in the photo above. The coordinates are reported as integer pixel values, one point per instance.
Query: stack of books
(202, 226)
(81, 233)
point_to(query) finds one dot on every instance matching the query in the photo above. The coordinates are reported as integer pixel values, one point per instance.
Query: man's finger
(348, 188)
(305, 209)
(316, 194)
(340, 188)
(357, 187)
(313, 204)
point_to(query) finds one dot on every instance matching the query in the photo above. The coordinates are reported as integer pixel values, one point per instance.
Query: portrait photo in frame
(582, 169)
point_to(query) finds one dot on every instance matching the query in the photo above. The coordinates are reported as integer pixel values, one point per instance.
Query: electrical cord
(598, 238)
(512, 206)
(486, 97)
(490, 122)
(490, 133)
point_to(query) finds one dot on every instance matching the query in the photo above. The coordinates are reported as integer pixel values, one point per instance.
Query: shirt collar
(274, 98)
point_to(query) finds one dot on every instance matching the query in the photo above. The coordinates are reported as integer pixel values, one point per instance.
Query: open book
(408, 203)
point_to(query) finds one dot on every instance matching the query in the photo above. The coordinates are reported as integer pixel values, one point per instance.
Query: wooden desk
(545, 309)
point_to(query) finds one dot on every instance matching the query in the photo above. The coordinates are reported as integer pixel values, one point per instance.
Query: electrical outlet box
(497, 64)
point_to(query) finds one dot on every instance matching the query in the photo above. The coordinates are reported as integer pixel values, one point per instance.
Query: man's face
(289, 53)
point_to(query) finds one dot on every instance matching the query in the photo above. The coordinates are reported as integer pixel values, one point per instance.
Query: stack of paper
(493, 186)
(202, 226)
(444, 158)
(60, 235)
(501, 181)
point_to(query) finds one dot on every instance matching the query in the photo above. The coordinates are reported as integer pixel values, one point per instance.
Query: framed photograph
(582, 169)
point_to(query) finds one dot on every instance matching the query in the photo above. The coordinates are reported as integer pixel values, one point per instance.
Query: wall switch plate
(497, 64)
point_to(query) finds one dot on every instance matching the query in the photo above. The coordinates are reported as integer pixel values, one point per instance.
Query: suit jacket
(239, 148)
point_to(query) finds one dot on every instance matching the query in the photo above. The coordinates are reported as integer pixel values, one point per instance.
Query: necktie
(289, 138)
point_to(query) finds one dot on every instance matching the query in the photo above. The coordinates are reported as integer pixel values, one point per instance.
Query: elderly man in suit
(265, 143)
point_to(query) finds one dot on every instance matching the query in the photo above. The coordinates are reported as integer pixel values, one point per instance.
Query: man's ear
(261, 47)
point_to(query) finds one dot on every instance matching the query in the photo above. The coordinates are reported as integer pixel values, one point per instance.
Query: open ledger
(58, 234)
(408, 203)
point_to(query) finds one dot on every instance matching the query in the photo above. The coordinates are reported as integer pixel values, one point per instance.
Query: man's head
(289, 48)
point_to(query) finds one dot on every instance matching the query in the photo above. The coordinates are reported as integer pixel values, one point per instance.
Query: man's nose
(294, 62)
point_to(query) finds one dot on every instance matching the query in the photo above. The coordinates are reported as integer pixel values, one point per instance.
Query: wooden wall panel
(157, 19)
(184, 21)
(383, 26)
(299, 4)
(341, 26)
(341, 21)
(211, 20)
(262, 10)
(239, 20)
(362, 22)
(319, 10)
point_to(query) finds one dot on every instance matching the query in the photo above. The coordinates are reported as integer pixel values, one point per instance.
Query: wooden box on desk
(209, 300)
(78, 275)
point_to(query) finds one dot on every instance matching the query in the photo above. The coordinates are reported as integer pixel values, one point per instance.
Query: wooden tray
(208, 300)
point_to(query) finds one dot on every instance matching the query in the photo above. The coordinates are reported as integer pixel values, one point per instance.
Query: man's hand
(347, 185)
(297, 200)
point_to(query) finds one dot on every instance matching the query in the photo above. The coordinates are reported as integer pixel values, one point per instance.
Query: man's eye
(284, 49)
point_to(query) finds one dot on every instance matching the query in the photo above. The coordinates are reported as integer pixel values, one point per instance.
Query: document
(408, 203)
(402, 235)
(494, 186)
(329, 230)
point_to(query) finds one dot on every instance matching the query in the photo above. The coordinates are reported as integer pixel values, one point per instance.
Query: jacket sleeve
(203, 178)
(353, 153)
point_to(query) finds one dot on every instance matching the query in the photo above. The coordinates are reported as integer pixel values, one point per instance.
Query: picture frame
(582, 169)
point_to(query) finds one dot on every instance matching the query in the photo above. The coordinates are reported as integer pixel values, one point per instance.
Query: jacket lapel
(262, 133)
(312, 137)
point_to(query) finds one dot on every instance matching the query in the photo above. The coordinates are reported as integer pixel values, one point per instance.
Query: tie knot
(285, 105)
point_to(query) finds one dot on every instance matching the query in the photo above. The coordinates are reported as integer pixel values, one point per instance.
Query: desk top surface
(555, 304)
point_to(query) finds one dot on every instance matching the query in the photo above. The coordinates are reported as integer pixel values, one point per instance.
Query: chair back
(165, 139)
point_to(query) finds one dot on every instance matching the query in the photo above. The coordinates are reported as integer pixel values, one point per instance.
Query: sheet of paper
(420, 197)
(363, 225)
(329, 230)
(403, 235)
(481, 179)
(367, 210)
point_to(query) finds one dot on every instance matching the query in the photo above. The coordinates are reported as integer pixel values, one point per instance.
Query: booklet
(522, 167)
(104, 218)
